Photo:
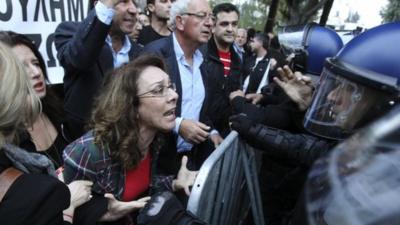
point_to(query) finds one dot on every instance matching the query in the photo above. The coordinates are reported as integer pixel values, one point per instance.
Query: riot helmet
(358, 85)
(358, 183)
(310, 44)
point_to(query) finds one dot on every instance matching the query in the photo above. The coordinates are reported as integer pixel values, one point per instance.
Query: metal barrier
(227, 187)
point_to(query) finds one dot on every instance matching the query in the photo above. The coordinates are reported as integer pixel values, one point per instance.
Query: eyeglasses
(201, 15)
(159, 91)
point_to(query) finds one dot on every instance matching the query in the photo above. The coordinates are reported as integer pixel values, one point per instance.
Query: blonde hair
(19, 104)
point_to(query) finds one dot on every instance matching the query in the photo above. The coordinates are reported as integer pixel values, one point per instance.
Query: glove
(165, 208)
(241, 123)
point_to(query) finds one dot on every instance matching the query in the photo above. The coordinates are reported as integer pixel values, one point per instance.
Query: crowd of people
(150, 93)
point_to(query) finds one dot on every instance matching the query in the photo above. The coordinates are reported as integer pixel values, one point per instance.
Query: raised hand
(185, 178)
(193, 131)
(298, 87)
(118, 209)
(110, 3)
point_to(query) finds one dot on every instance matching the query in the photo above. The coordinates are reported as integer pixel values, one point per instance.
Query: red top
(225, 58)
(137, 180)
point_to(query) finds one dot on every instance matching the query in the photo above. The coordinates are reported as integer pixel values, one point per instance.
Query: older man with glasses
(191, 21)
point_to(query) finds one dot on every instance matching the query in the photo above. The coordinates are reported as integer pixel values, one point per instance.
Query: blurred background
(267, 15)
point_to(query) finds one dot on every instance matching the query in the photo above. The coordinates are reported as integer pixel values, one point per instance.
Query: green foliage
(295, 12)
(253, 15)
(391, 12)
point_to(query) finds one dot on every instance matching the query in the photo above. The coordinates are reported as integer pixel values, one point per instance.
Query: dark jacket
(147, 35)
(221, 86)
(34, 198)
(282, 116)
(86, 59)
(301, 149)
(256, 72)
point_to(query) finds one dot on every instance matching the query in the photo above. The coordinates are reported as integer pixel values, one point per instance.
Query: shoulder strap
(7, 178)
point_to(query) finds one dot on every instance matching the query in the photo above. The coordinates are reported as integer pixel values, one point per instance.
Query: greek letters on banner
(38, 19)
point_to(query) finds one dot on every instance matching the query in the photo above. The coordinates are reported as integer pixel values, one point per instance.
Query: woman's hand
(185, 178)
(118, 209)
(80, 192)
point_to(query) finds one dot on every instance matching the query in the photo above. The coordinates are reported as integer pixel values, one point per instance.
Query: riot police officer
(358, 85)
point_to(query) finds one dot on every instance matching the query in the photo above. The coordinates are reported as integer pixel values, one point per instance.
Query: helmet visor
(291, 38)
(338, 106)
(357, 183)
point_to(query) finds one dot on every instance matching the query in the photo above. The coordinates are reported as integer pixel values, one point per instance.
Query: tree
(391, 12)
(295, 12)
(253, 14)
(273, 9)
(325, 12)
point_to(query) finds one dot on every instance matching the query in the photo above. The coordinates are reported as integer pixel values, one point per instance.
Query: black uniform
(286, 161)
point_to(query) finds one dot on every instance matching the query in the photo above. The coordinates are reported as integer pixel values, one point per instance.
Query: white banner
(38, 19)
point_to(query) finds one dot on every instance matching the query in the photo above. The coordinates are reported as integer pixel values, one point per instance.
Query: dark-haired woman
(119, 154)
(30, 192)
(48, 135)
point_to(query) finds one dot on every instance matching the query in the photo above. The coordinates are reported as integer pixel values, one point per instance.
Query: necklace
(44, 141)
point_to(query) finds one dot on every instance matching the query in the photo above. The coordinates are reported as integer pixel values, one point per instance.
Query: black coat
(256, 72)
(37, 199)
(221, 86)
(86, 59)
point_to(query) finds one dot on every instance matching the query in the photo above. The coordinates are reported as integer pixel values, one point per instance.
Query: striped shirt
(225, 58)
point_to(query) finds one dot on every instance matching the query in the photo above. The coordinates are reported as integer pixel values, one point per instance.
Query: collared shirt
(105, 15)
(193, 91)
(121, 57)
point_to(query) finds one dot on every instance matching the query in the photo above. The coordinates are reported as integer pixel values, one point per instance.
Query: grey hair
(177, 8)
